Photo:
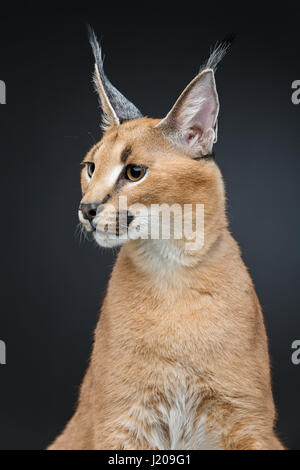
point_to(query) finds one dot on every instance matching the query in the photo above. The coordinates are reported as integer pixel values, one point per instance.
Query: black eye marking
(107, 197)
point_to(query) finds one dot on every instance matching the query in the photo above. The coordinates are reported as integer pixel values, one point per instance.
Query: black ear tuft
(218, 52)
(123, 108)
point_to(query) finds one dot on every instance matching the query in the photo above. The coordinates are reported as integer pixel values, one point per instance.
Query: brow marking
(125, 154)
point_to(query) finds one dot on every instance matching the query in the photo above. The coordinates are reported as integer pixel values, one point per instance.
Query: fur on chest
(173, 418)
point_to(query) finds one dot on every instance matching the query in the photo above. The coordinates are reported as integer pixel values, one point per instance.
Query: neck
(166, 261)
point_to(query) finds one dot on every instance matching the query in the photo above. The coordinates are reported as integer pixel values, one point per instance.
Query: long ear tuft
(116, 108)
(218, 53)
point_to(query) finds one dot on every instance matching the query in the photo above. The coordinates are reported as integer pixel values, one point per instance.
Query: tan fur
(180, 358)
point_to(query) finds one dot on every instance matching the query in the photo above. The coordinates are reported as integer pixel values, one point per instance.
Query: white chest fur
(175, 421)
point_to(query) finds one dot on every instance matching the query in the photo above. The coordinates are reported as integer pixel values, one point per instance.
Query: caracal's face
(153, 179)
(133, 169)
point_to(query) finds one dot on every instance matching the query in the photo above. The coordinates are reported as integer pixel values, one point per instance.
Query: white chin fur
(107, 241)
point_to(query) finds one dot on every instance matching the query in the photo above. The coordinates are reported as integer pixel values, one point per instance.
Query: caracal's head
(151, 180)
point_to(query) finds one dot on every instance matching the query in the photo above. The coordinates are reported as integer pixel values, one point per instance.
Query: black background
(51, 284)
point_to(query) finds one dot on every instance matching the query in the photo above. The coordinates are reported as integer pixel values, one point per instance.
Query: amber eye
(90, 168)
(135, 173)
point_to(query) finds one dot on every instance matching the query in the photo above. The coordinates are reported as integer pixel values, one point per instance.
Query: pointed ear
(116, 108)
(192, 122)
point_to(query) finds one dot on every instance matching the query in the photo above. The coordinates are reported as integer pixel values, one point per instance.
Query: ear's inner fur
(192, 122)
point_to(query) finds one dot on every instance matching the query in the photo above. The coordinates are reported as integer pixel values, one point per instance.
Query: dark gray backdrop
(51, 285)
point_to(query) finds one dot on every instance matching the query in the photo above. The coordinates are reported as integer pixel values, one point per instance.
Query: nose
(89, 211)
